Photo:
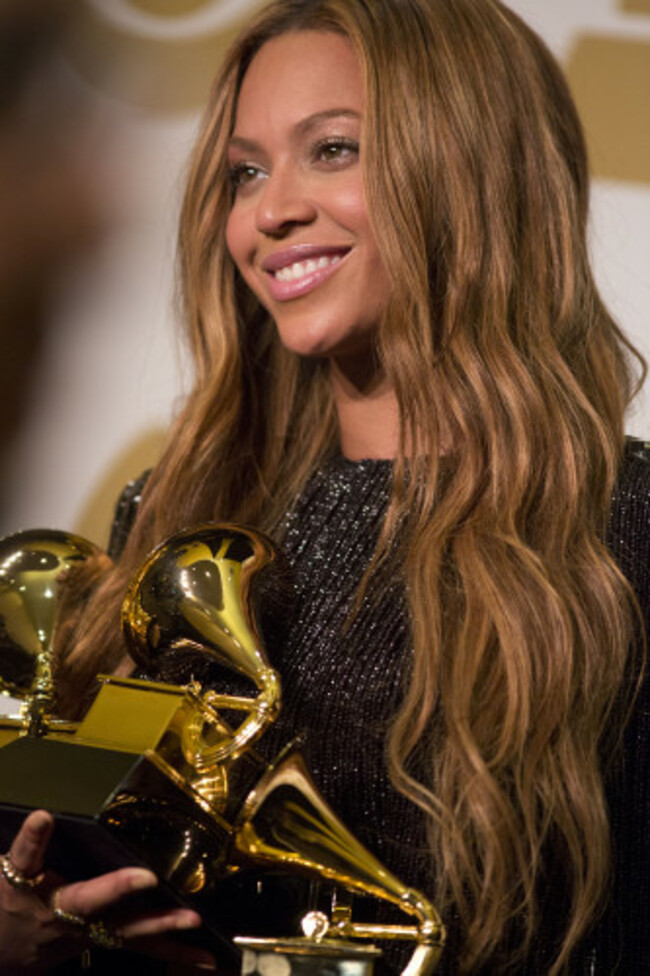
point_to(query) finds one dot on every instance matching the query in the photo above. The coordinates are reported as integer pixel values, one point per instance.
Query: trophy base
(306, 957)
(114, 809)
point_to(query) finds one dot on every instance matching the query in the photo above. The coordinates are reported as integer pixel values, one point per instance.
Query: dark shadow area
(49, 208)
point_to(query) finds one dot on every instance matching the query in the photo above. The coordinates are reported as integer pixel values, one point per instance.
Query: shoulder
(636, 447)
(629, 521)
(628, 532)
(625, 934)
(634, 477)
(633, 486)
(126, 510)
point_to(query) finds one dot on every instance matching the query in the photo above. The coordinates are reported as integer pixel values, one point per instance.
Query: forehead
(296, 75)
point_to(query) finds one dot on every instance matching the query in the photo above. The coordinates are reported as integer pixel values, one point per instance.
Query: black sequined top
(342, 685)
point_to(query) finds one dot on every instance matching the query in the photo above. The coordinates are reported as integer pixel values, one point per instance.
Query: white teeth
(301, 268)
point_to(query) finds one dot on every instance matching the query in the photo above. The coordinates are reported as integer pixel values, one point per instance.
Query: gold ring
(102, 937)
(69, 917)
(15, 877)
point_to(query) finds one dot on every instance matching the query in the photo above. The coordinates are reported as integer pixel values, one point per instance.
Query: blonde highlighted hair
(496, 343)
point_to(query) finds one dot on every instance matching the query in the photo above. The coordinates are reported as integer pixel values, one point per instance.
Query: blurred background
(99, 104)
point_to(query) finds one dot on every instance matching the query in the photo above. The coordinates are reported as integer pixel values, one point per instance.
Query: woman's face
(298, 230)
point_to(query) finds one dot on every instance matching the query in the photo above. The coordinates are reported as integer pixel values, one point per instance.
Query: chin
(309, 346)
(324, 343)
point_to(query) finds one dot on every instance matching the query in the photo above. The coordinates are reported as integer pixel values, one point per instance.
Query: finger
(87, 898)
(30, 843)
(177, 919)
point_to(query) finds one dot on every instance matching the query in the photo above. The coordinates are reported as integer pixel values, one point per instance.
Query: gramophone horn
(33, 567)
(199, 590)
(152, 761)
(286, 823)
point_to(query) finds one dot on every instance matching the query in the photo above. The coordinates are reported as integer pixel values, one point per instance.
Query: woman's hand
(43, 921)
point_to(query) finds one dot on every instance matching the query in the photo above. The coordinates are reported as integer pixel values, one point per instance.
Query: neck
(367, 412)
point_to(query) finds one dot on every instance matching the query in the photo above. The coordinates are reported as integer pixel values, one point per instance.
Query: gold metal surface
(33, 566)
(160, 767)
(154, 720)
(332, 948)
(196, 591)
(285, 821)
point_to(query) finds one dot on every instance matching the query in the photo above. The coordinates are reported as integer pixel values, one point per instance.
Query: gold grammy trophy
(168, 776)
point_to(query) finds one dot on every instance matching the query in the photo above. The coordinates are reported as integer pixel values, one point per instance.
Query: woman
(405, 373)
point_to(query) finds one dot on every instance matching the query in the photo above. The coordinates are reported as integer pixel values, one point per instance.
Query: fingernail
(141, 878)
(40, 821)
(188, 920)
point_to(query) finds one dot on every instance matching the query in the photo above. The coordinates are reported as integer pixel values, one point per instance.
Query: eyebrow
(300, 129)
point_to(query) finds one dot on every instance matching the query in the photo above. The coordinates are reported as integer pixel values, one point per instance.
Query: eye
(336, 150)
(242, 174)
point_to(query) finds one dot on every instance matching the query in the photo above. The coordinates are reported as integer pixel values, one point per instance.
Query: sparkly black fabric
(342, 685)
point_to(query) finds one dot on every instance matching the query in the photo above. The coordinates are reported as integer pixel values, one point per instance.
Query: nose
(284, 202)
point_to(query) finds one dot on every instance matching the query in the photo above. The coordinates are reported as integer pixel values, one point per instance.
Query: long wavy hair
(495, 341)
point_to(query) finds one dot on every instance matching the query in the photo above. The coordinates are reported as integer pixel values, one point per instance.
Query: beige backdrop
(109, 378)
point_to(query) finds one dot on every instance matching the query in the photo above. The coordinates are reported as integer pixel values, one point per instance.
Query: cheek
(241, 239)
(240, 248)
(348, 207)
(352, 212)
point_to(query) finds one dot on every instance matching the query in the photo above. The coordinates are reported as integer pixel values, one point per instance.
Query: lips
(295, 271)
(299, 269)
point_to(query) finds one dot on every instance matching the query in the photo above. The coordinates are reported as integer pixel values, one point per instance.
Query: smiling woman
(299, 230)
(405, 373)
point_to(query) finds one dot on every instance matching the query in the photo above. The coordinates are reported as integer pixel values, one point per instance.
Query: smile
(295, 272)
(301, 268)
